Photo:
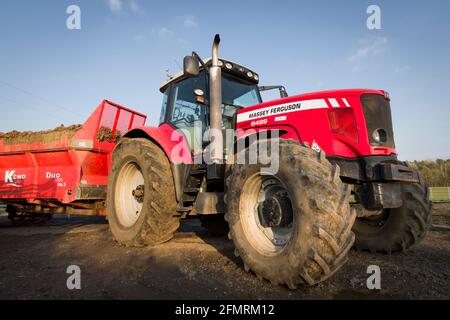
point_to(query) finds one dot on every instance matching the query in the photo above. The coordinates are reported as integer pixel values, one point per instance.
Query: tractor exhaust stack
(215, 97)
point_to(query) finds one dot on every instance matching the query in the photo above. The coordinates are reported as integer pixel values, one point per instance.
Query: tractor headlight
(229, 66)
(380, 136)
(249, 74)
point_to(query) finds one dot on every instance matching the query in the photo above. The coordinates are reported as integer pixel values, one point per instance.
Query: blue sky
(50, 75)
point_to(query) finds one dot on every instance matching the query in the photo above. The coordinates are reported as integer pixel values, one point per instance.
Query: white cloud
(369, 48)
(118, 6)
(189, 23)
(164, 32)
(115, 5)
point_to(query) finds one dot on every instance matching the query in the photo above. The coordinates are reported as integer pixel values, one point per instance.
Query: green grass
(440, 194)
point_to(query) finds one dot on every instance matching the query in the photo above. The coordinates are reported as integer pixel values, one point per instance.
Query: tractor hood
(340, 122)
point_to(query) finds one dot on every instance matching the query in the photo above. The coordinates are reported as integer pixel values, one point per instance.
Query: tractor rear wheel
(396, 229)
(141, 202)
(292, 226)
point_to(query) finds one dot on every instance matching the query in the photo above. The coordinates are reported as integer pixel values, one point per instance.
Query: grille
(377, 111)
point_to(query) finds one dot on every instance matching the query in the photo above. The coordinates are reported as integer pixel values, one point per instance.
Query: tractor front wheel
(398, 229)
(141, 203)
(292, 226)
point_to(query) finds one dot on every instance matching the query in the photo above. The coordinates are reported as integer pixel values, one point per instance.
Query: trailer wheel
(397, 229)
(215, 224)
(293, 226)
(141, 202)
(20, 218)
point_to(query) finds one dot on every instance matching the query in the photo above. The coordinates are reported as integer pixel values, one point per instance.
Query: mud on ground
(194, 265)
(19, 137)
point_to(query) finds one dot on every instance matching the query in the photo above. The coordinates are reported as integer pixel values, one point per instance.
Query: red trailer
(63, 169)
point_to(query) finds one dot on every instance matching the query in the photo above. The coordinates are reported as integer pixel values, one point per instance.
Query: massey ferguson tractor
(331, 179)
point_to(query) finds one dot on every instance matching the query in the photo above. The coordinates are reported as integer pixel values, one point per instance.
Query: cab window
(162, 117)
(185, 106)
(236, 95)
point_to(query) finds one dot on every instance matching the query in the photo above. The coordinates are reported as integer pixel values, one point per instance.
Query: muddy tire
(310, 241)
(215, 224)
(396, 229)
(141, 202)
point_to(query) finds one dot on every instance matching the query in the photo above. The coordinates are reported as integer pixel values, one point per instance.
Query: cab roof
(236, 70)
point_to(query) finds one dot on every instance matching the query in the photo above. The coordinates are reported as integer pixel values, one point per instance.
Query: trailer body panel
(64, 165)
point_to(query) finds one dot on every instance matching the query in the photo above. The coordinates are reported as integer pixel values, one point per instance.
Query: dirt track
(194, 265)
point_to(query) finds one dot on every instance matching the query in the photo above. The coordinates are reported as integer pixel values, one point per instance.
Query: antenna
(168, 75)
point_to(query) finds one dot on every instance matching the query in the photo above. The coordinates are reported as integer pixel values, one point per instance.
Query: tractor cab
(186, 98)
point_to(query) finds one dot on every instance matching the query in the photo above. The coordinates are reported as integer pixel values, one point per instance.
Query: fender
(172, 142)
(174, 145)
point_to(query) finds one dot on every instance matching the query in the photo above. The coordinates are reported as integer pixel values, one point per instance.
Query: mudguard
(170, 140)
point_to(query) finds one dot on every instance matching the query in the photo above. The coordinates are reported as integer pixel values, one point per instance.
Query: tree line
(434, 173)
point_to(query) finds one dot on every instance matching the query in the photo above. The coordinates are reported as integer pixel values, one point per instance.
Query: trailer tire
(396, 230)
(141, 201)
(320, 235)
(19, 218)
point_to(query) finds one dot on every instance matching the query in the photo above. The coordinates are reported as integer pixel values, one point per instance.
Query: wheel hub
(267, 214)
(129, 194)
(276, 211)
(138, 193)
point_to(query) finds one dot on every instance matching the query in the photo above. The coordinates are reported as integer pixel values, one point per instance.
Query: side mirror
(190, 66)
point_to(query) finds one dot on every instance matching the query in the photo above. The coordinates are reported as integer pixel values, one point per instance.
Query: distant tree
(434, 173)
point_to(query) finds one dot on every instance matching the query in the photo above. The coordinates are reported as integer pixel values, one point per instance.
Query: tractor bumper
(393, 173)
(375, 169)
(377, 180)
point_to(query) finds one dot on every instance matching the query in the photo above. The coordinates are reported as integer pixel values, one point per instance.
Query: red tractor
(337, 163)
(336, 182)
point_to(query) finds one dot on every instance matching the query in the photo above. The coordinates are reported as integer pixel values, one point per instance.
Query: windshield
(239, 94)
(236, 95)
(188, 103)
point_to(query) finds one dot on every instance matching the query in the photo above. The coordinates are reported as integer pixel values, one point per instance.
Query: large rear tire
(294, 226)
(141, 202)
(396, 229)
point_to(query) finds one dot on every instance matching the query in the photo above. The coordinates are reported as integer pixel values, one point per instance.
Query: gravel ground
(194, 265)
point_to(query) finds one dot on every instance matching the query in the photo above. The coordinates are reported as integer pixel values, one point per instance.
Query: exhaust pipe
(215, 98)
